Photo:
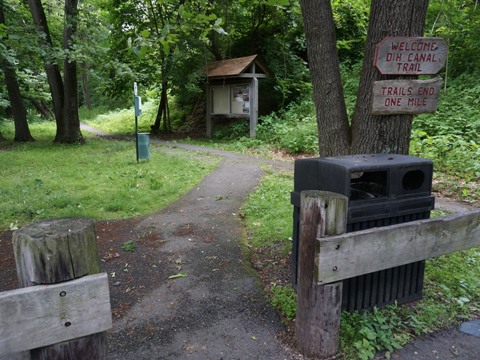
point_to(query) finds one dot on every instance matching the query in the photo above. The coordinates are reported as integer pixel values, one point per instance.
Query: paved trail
(218, 311)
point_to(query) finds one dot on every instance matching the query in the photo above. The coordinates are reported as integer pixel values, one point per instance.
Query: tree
(156, 33)
(64, 94)
(458, 22)
(70, 131)
(19, 113)
(51, 67)
(366, 133)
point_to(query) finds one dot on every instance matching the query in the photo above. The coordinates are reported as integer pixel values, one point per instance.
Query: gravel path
(217, 311)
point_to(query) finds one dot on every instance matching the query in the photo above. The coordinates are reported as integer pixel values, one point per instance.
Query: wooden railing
(63, 308)
(327, 256)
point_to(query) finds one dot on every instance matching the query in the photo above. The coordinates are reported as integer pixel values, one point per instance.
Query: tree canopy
(98, 48)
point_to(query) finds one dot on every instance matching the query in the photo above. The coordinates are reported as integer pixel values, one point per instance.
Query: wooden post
(253, 107)
(209, 112)
(318, 306)
(55, 251)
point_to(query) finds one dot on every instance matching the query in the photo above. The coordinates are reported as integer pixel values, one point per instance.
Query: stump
(54, 251)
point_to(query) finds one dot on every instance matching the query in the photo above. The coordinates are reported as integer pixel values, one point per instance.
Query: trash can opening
(368, 185)
(413, 180)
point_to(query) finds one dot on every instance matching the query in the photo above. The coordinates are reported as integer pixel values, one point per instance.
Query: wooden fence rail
(327, 256)
(43, 315)
(63, 309)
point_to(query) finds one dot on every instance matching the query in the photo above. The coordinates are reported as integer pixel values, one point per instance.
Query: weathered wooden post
(55, 251)
(322, 214)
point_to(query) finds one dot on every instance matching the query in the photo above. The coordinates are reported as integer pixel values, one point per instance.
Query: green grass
(101, 179)
(268, 211)
(122, 121)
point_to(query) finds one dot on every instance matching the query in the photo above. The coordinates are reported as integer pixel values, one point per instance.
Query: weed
(128, 246)
(371, 332)
(284, 299)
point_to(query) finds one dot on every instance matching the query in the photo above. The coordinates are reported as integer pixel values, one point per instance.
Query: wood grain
(42, 315)
(349, 255)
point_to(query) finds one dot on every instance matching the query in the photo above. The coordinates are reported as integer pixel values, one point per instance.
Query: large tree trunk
(72, 133)
(22, 131)
(368, 133)
(53, 72)
(163, 116)
(332, 120)
(384, 133)
(86, 85)
(40, 105)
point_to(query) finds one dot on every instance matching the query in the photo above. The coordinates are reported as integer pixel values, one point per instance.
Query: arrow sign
(410, 55)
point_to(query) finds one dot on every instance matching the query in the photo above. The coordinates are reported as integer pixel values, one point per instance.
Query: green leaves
(128, 246)
(373, 331)
(284, 299)
(458, 22)
(177, 276)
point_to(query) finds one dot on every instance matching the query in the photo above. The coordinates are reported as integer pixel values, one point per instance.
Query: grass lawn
(100, 180)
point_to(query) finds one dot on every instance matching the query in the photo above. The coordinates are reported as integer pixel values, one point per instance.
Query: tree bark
(52, 70)
(86, 85)
(332, 120)
(40, 105)
(72, 133)
(54, 251)
(163, 116)
(368, 133)
(384, 133)
(161, 106)
(22, 131)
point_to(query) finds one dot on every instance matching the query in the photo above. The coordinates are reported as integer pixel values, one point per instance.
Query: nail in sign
(410, 55)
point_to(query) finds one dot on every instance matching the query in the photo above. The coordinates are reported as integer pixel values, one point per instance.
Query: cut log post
(51, 252)
(318, 306)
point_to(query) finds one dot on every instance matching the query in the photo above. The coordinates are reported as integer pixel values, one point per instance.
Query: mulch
(132, 274)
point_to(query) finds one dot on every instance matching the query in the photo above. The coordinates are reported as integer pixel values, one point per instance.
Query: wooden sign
(410, 55)
(406, 96)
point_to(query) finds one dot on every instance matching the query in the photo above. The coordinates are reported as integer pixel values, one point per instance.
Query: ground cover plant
(101, 179)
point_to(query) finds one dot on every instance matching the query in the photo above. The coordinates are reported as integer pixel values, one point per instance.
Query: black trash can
(383, 189)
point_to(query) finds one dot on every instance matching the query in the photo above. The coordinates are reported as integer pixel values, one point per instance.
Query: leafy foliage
(450, 135)
(293, 130)
(371, 332)
(458, 22)
(351, 22)
(284, 299)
